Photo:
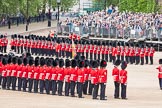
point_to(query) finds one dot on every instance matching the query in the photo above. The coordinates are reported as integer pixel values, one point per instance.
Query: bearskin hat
(42, 61)
(67, 63)
(14, 60)
(4, 61)
(54, 63)
(36, 63)
(118, 43)
(48, 62)
(82, 58)
(19, 61)
(95, 64)
(25, 61)
(31, 61)
(9, 59)
(81, 64)
(103, 63)
(117, 62)
(160, 61)
(86, 63)
(73, 63)
(61, 63)
(123, 65)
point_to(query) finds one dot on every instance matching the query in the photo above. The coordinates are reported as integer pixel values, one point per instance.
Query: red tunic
(31, 72)
(94, 76)
(152, 51)
(160, 71)
(115, 73)
(102, 76)
(73, 74)
(60, 76)
(123, 76)
(19, 71)
(25, 72)
(54, 73)
(36, 72)
(81, 75)
(67, 72)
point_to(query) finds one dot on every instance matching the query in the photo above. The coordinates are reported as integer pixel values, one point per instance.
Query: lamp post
(27, 14)
(105, 4)
(58, 4)
(49, 14)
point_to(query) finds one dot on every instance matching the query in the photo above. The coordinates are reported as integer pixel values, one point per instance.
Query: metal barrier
(110, 32)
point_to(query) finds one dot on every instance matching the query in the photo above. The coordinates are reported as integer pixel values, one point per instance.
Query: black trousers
(127, 59)
(95, 56)
(80, 89)
(98, 56)
(41, 86)
(72, 88)
(4, 81)
(9, 82)
(5, 48)
(85, 86)
(91, 86)
(113, 59)
(123, 91)
(54, 87)
(118, 57)
(103, 56)
(21, 49)
(102, 91)
(25, 81)
(122, 58)
(106, 57)
(137, 59)
(47, 86)
(91, 56)
(19, 83)
(86, 55)
(110, 57)
(151, 60)
(146, 59)
(60, 85)
(36, 86)
(30, 85)
(142, 60)
(67, 88)
(131, 59)
(63, 53)
(95, 91)
(18, 49)
(160, 83)
(0, 79)
(14, 79)
(117, 87)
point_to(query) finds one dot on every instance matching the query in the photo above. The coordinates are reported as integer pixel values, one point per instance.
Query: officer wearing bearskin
(54, 76)
(115, 74)
(14, 72)
(60, 77)
(19, 73)
(86, 75)
(160, 73)
(102, 78)
(30, 74)
(36, 74)
(80, 79)
(9, 70)
(73, 77)
(94, 79)
(4, 72)
(67, 73)
(25, 74)
(151, 54)
(123, 79)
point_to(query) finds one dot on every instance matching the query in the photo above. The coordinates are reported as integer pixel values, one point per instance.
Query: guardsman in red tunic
(25, 73)
(110, 52)
(131, 54)
(91, 50)
(160, 73)
(9, 70)
(48, 75)
(102, 79)
(73, 77)
(87, 49)
(80, 79)
(67, 72)
(114, 52)
(86, 75)
(98, 50)
(123, 79)
(122, 52)
(18, 44)
(94, 79)
(36, 74)
(60, 77)
(4, 72)
(151, 54)
(22, 44)
(54, 76)
(14, 72)
(41, 75)
(95, 50)
(5, 44)
(127, 50)
(103, 49)
(115, 74)
(1, 42)
(1, 68)
(30, 74)
(146, 50)
(118, 51)
(137, 54)
(142, 55)
(106, 52)
(19, 73)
